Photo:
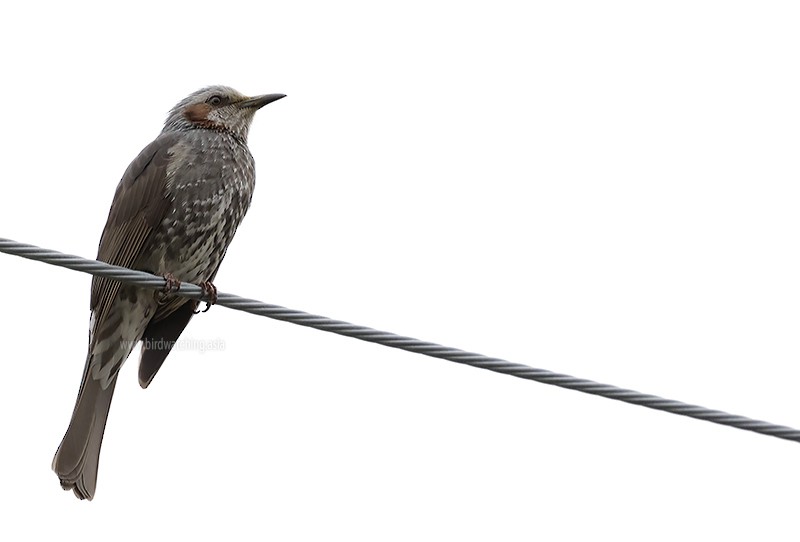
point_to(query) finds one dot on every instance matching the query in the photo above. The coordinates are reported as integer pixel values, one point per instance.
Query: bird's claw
(172, 284)
(209, 295)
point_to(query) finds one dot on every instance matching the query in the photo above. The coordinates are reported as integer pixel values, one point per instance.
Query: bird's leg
(209, 294)
(172, 284)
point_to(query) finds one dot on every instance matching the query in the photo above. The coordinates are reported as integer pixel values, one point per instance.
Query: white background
(605, 189)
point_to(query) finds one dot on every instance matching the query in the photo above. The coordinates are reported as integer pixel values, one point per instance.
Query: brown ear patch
(197, 113)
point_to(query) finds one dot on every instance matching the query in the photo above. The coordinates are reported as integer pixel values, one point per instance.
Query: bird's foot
(172, 284)
(209, 295)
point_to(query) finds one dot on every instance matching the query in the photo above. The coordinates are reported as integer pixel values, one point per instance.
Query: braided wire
(146, 280)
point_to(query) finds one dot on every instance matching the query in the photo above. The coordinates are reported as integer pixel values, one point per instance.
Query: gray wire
(409, 344)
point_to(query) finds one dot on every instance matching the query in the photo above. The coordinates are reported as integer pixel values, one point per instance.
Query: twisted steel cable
(146, 280)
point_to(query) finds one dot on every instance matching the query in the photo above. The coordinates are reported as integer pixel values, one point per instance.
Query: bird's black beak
(258, 102)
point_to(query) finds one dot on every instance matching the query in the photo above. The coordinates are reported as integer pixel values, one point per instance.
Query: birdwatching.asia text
(195, 345)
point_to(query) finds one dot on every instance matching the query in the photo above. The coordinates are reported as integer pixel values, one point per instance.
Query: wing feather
(140, 204)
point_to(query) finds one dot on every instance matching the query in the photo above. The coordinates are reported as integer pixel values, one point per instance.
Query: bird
(174, 213)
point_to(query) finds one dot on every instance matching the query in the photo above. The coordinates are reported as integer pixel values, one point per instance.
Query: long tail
(77, 457)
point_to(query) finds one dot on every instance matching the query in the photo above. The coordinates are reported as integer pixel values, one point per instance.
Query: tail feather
(78, 456)
(112, 335)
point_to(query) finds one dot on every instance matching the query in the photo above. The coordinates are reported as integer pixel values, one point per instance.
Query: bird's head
(217, 108)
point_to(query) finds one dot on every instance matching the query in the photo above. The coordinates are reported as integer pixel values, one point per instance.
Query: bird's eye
(214, 100)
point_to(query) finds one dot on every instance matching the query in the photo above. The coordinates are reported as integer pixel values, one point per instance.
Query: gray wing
(140, 204)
